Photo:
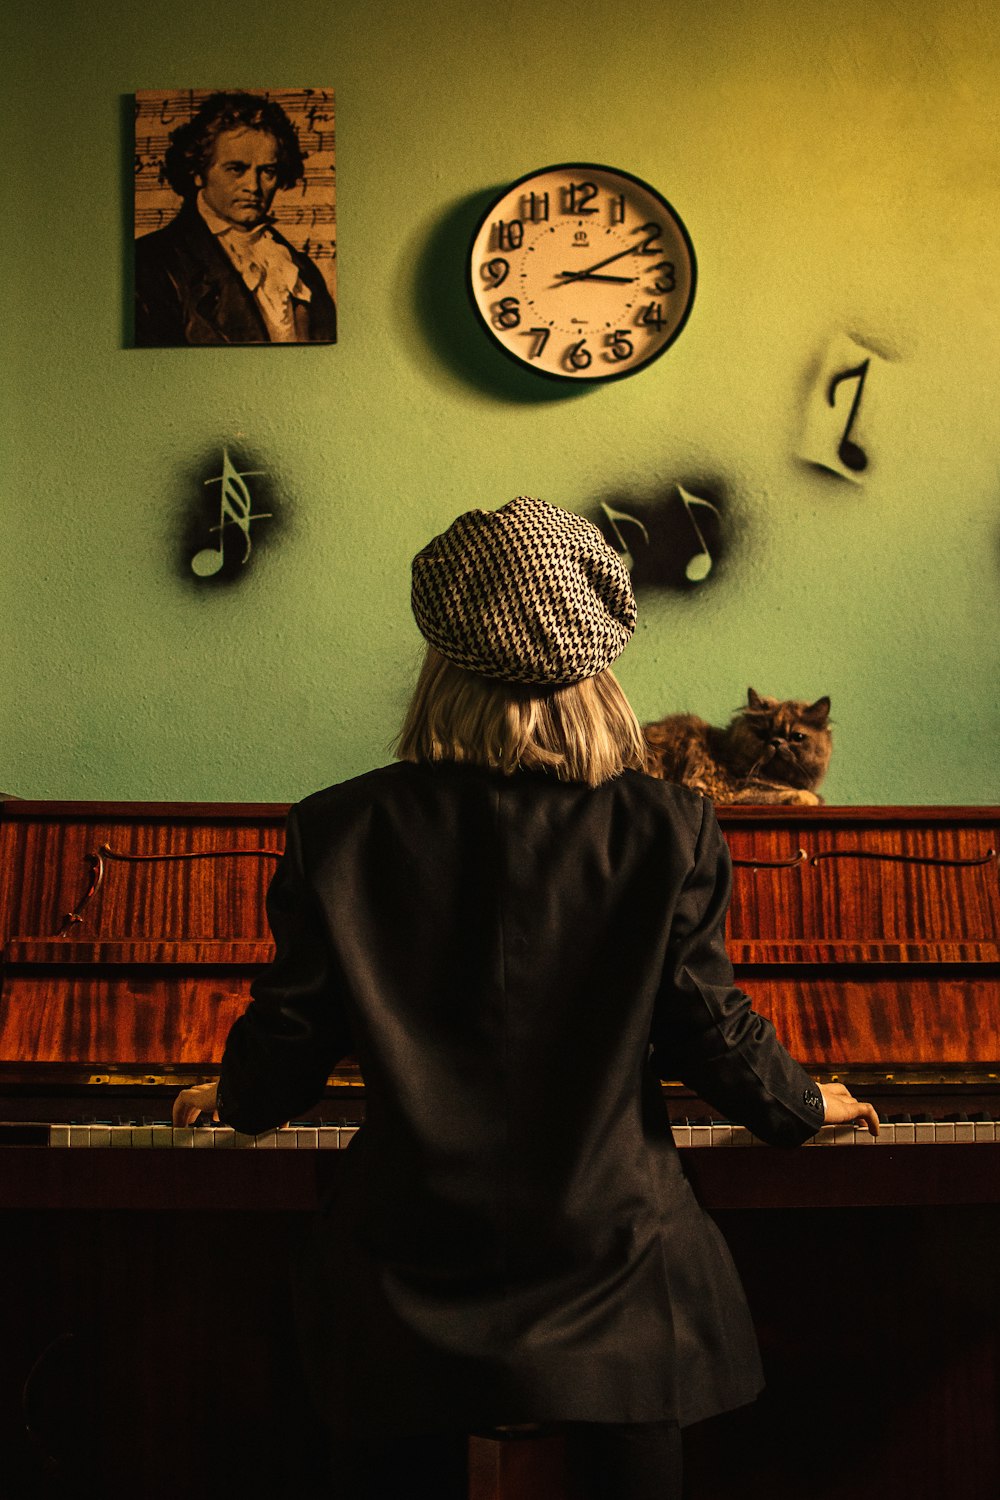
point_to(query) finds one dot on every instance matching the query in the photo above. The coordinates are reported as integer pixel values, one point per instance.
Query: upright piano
(146, 1330)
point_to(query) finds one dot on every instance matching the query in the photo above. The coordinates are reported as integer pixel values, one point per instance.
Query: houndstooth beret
(527, 593)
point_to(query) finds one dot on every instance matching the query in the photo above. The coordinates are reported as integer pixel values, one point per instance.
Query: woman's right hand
(843, 1109)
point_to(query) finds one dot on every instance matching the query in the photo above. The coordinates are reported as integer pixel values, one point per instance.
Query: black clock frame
(574, 380)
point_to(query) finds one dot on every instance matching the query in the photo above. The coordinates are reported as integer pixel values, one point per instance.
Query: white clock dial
(582, 272)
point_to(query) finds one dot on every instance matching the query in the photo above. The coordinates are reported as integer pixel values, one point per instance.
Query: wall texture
(838, 168)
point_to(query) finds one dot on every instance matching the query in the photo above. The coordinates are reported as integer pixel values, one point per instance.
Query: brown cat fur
(770, 751)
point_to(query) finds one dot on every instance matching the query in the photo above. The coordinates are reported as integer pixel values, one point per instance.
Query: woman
(518, 933)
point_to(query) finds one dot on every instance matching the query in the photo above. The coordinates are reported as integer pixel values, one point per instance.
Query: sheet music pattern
(305, 214)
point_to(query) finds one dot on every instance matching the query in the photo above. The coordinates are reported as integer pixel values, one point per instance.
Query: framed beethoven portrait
(235, 217)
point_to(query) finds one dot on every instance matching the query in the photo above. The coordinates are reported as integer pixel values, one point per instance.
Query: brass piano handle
(105, 852)
(905, 859)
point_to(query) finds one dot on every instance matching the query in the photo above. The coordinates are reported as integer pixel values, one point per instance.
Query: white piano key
(59, 1135)
(923, 1132)
(204, 1137)
(944, 1132)
(244, 1142)
(681, 1134)
(100, 1135)
(347, 1134)
(121, 1135)
(985, 1130)
(79, 1135)
(184, 1136)
(328, 1138)
(722, 1134)
(843, 1135)
(903, 1133)
(862, 1137)
(824, 1135)
(142, 1136)
(224, 1135)
(742, 1136)
(284, 1138)
(162, 1136)
(965, 1132)
(266, 1141)
(305, 1137)
(701, 1135)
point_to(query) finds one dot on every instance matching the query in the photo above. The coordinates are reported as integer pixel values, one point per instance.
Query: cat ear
(754, 700)
(820, 710)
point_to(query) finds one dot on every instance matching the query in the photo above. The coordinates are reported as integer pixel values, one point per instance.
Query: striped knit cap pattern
(527, 593)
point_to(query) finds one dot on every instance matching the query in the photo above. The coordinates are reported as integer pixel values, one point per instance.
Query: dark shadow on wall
(126, 135)
(679, 538)
(444, 310)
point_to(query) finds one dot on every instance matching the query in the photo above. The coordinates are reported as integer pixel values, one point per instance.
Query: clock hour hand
(591, 276)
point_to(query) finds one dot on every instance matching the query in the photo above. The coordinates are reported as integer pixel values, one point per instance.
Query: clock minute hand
(591, 276)
(579, 275)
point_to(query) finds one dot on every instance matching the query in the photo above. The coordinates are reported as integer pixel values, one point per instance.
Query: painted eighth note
(839, 418)
(700, 564)
(235, 509)
(614, 516)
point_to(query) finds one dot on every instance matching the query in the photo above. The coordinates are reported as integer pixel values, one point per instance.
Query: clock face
(582, 272)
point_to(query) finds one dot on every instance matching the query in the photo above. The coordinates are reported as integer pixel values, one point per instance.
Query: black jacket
(187, 290)
(516, 963)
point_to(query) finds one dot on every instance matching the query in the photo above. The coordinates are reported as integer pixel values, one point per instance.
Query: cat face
(788, 742)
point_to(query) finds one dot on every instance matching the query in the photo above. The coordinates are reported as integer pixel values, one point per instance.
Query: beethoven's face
(240, 180)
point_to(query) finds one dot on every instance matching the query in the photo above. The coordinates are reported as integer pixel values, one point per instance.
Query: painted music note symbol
(614, 516)
(235, 509)
(700, 565)
(850, 454)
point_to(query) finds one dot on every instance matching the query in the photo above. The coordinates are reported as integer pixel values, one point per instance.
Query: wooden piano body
(150, 1324)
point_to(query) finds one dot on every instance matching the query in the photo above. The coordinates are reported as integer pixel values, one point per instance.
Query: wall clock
(582, 272)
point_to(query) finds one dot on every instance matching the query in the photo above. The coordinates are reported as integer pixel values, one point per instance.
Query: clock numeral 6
(651, 316)
(494, 272)
(507, 313)
(578, 355)
(510, 236)
(668, 281)
(621, 344)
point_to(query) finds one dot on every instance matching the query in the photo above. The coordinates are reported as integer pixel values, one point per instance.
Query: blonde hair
(585, 731)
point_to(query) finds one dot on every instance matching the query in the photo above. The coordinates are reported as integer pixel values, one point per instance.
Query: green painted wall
(838, 168)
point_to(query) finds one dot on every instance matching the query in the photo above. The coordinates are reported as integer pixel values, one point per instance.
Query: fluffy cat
(769, 752)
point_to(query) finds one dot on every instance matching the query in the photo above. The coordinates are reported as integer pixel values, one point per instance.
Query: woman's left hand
(190, 1103)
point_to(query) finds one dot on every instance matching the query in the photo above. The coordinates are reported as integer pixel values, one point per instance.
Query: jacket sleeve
(705, 1030)
(279, 1053)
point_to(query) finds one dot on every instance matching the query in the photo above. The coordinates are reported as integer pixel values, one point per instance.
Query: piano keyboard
(311, 1137)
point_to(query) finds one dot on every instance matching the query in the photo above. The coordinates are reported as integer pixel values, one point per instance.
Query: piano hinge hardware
(799, 858)
(98, 862)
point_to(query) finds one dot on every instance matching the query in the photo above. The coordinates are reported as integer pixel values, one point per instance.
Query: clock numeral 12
(578, 196)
